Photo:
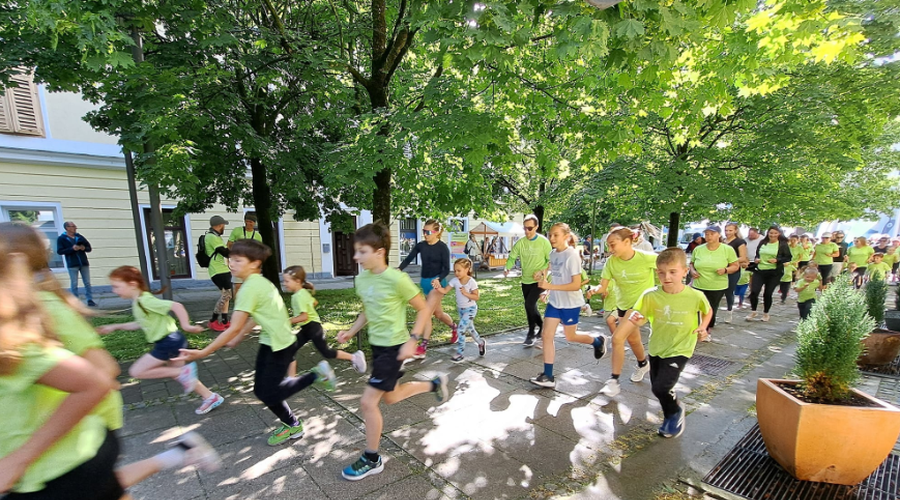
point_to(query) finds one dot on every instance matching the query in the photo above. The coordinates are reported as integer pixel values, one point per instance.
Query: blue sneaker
(439, 388)
(673, 426)
(362, 468)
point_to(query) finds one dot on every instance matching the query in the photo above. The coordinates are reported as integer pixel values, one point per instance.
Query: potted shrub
(892, 317)
(819, 428)
(882, 346)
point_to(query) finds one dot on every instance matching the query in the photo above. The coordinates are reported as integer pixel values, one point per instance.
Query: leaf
(630, 28)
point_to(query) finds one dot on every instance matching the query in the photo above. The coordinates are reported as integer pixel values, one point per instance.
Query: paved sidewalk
(497, 437)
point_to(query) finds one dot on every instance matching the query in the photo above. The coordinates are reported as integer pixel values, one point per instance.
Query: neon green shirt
(153, 315)
(707, 262)
(808, 293)
(674, 318)
(632, 277)
(823, 251)
(240, 233)
(745, 277)
(890, 258)
(384, 297)
(29, 405)
(789, 269)
(535, 256)
(878, 271)
(798, 253)
(860, 255)
(260, 299)
(217, 264)
(767, 251)
(78, 336)
(303, 302)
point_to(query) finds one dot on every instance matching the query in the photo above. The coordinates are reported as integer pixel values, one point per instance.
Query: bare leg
(547, 334)
(611, 323)
(149, 367)
(441, 315)
(433, 303)
(344, 355)
(570, 331)
(292, 370)
(626, 331)
(368, 405)
(132, 474)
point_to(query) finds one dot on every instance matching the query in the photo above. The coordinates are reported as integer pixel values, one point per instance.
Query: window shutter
(23, 108)
(6, 121)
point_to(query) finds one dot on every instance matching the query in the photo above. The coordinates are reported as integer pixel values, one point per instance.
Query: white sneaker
(358, 359)
(586, 310)
(198, 452)
(612, 388)
(728, 316)
(188, 377)
(640, 372)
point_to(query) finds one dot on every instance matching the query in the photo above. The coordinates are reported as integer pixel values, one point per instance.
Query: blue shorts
(425, 283)
(567, 317)
(167, 347)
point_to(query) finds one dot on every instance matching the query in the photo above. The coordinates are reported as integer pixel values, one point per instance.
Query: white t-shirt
(462, 301)
(752, 245)
(564, 265)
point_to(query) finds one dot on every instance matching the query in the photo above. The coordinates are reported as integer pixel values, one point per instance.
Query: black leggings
(825, 271)
(714, 297)
(270, 385)
(313, 332)
(805, 307)
(733, 279)
(784, 288)
(532, 293)
(770, 278)
(664, 374)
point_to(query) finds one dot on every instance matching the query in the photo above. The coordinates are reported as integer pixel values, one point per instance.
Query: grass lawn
(500, 309)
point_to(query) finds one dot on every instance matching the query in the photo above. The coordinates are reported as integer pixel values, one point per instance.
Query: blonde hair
(570, 238)
(672, 255)
(623, 233)
(437, 226)
(465, 263)
(299, 274)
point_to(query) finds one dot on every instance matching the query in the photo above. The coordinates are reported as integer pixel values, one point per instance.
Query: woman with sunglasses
(534, 251)
(435, 266)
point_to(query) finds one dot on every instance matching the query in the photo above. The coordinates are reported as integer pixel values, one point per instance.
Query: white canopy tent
(497, 229)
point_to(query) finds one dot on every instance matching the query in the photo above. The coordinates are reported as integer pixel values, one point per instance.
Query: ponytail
(570, 238)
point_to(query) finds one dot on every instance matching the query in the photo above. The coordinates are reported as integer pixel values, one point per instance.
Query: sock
(597, 341)
(614, 376)
(372, 456)
(224, 318)
(424, 343)
(548, 370)
(642, 363)
(214, 317)
(171, 458)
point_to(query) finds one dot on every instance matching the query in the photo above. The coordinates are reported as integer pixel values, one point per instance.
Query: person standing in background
(75, 247)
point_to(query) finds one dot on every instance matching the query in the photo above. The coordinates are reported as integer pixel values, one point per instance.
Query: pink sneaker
(209, 404)
(216, 326)
(420, 352)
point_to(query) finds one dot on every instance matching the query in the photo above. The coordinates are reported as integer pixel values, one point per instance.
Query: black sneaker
(600, 350)
(544, 381)
(529, 341)
(481, 347)
(91, 303)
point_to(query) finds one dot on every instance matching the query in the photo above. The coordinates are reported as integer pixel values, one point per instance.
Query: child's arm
(300, 318)
(423, 316)
(601, 289)
(345, 335)
(575, 285)
(238, 320)
(637, 319)
(181, 313)
(436, 284)
(799, 287)
(473, 295)
(704, 324)
(107, 329)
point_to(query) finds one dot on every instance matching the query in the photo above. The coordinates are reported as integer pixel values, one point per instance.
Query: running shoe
(210, 404)
(529, 341)
(612, 388)
(362, 468)
(216, 326)
(457, 358)
(439, 388)
(325, 378)
(543, 380)
(188, 377)
(673, 426)
(199, 452)
(420, 352)
(358, 359)
(285, 432)
(600, 349)
(640, 372)
(728, 316)
(482, 346)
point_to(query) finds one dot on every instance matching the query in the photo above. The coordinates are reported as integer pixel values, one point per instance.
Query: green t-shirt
(767, 251)
(612, 293)
(535, 255)
(789, 269)
(152, 314)
(303, 302)
(240, 233)
(384, 297)
(878, 271)
(29, 405)
(808, 293)
(260, 299)
(823, 251)
(674, 317)
(78, 336)
(890, 258)
(632, 276)
(217, 264)
(745, 277)
(707, 262)
(798, 253)
(860, 255)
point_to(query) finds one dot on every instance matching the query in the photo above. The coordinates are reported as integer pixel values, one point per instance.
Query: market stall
(496, 239)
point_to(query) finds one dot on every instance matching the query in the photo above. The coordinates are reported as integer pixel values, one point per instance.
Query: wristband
(414, 336)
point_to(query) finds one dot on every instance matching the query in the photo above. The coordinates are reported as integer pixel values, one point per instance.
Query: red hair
(130, 274)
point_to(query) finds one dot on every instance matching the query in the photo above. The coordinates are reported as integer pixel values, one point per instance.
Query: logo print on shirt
(624, 274)
(667, 312)
(674, 365)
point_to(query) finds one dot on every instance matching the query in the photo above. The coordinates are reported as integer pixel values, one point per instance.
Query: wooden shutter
(20, 107)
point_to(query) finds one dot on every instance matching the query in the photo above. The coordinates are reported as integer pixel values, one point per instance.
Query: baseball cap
(716, 229)
(826, 235)
(215, 220)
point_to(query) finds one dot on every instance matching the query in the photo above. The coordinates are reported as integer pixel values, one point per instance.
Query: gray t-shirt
(564, 265)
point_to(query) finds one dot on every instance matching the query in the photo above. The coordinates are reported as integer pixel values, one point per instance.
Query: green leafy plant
(829, 343)
(876, 294)
(897, 298)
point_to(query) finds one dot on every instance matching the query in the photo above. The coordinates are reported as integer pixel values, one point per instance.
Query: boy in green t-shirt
(878, 269)
(806, 291)
(385, 292)
(218, 272)
(673, 312)
(246, 232)
(261, 301)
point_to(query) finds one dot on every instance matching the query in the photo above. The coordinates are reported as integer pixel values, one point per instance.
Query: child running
(385, 292)
(152, 315)
(673, 313)
(806, 291)
(785, 286)
(565, 301)
(466, 305)
(878, 269)
(304, 306)
(261, 301)
(743, 283)
(632, 271)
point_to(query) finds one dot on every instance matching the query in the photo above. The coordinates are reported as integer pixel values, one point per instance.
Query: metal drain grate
(748, 471)
(891, 370)
(708, 365)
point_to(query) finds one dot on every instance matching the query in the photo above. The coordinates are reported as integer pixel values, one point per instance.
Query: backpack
(202, 258)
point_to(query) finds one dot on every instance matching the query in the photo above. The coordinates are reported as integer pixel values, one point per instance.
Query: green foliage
(876, 294)
(829, 342)
(897, 298)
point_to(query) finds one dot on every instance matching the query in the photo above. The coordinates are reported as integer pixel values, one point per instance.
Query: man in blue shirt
(74, 248)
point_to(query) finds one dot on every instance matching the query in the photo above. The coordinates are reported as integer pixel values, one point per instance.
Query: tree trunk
(381, 196)
(538, 212)
(674, 221)
(262, 201)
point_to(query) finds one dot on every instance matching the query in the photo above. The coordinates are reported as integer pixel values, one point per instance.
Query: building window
(177, 253)
(20, 107)
(457, 225)
(408, 236)
(45, 218)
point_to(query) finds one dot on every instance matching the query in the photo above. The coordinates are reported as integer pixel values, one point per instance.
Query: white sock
(171, 458)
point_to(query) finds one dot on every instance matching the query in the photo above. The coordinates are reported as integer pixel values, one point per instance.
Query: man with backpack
(215, 256)
(246, 232)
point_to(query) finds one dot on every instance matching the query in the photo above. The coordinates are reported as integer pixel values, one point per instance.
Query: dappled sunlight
(265, 465)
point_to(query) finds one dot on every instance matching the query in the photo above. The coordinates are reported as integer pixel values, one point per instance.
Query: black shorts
(94, 479)
(385, 367)
(621, 313)
(894, 267)
(167, 347)
(222, 280)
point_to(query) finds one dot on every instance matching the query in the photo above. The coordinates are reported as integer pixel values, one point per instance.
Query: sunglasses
(530, 228)
(427, 232)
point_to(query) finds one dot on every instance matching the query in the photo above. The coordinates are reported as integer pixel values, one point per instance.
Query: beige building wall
(64, 112)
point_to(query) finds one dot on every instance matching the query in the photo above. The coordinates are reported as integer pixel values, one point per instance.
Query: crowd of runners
(53, 366)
